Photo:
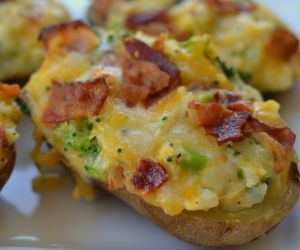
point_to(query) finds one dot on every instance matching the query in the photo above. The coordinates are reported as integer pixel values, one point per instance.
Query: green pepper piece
(193, 160)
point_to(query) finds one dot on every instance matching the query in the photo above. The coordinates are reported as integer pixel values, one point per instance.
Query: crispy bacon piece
(225, 97)
(209, 114)
(75, 100)
(142, 80)
(223, 123)
(4, 143)
(12, 90)
(141, 51)
(283, 136)
(230, 129)
(73, 36)
(100, 8)
(283, 144)
(282, 44)
(147, 74)
(236, 124)
(149, 176)
(133, 21)
(232, 101)
(156, 23)
(229, 7)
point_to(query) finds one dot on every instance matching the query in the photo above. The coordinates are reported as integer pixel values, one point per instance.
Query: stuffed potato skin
(247, 35)
(21, 20)
(126, 114)
(10, 115)
(8, 156)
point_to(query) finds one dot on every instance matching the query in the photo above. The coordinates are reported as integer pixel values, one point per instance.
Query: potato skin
(5, 172)
(204, 230)
(207, 231)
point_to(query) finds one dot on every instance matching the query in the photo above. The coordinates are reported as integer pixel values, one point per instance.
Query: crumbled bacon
(209, 114)
(149, 176)
(100, 8)
(225, 97)
(229, 7)
(73, 36)
(141, 80)
(4, 143)
(136, 20)
(141, 51)
(282, 44)
(235, 124)
(75, 100)
(230, 129)
(283, 136)
(229, 124)
(232, 101)
(147, 74)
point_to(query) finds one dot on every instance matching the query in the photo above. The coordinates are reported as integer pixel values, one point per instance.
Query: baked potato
(9, 116)
(247, 36)
(168, 128)
(21, 21)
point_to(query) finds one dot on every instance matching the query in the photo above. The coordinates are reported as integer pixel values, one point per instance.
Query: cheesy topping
(10, 115)
(189, 170)
(21, 21)
(242, 36)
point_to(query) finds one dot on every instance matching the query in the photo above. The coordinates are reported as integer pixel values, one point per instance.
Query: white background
(54, 220)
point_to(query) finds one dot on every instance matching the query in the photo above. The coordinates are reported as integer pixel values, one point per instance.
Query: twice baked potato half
(21, 21)
(160, 124)
(9, 117)
(247, 36)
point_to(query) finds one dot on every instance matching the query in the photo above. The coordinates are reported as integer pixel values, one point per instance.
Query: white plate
(54, 220)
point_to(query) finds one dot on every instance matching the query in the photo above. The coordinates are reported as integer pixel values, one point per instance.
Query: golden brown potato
(216, 228)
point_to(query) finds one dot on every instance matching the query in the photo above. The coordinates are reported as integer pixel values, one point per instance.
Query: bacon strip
(141, 51)
(150, 176)
(229, 7)
(100, 10)
(73, 36)
(230, 129)
(209, 114)
(282, 44)
(142, 80)
(231, 125)
(284, 136)
(232, 101)
(133, 21)
(147, 74)
(225, 97)
(75, 100)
